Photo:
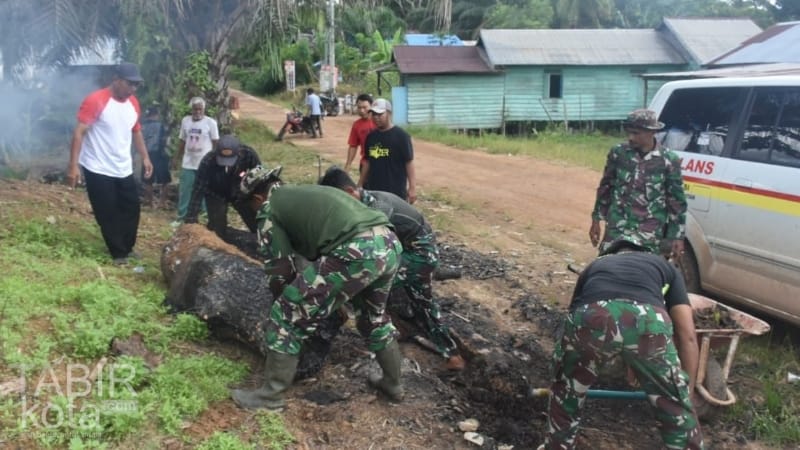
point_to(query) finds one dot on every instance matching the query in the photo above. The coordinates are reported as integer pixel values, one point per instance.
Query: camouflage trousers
(641, 335)
(360, 271)
(419, 261)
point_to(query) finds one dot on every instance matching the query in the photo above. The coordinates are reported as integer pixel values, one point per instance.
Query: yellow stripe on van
(765, 201)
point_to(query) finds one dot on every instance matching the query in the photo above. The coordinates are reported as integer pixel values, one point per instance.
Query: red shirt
(358, 135)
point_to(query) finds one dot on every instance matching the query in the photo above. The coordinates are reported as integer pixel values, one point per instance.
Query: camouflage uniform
(619, 310)
(418, 263)
(354, 257)
(642, 194)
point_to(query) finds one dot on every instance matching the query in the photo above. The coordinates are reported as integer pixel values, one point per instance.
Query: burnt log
(227, 289)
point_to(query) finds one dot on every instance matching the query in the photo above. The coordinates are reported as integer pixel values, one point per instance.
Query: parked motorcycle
(295, 123)
(330, 104)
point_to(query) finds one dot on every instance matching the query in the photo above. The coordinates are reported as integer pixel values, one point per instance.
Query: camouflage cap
(631, 241)
(644, 119)
(257, 177)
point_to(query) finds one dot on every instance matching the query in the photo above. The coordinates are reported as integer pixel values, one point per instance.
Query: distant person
(314, 104)
(218, 181)
(419, 259)
(108, 120)
(359, 131)
(389, 165)
(198, 135)
(155, 138)
(625, 306)
(641, 191)
(353, 258)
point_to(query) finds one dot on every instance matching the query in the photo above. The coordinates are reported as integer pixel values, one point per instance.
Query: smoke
(38, 114)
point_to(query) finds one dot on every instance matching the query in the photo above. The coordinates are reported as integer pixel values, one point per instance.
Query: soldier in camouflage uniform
(641, 190)
(625, 305)
(419, 260)
(353, 256)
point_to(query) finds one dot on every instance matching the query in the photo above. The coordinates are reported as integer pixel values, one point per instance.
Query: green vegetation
(767, 405)
(61, 305)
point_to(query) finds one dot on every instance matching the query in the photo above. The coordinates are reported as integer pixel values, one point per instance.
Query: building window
(554, 85)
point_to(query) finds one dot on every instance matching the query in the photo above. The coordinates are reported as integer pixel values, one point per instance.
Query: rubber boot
(279, 137)
(390, 360)
(279, 372)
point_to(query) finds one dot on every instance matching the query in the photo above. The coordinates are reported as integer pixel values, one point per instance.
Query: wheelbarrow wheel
(716, 386)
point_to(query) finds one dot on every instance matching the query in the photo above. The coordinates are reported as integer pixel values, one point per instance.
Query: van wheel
(688, 265)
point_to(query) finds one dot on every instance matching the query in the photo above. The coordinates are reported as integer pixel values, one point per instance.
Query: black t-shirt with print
(388, 152)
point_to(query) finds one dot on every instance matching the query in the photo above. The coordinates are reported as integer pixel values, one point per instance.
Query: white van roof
(786, 80)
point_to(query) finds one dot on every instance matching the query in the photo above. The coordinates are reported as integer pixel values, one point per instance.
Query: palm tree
(583, 13)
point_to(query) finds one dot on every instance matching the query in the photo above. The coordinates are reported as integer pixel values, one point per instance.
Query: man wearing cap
(389, 164)
(626, 305)
(108, 121)
(198, 136)
(353, 256)
(641, 190)
(218, 181)
(418, 262)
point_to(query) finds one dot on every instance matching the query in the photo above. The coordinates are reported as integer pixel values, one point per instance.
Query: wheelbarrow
(712, 380)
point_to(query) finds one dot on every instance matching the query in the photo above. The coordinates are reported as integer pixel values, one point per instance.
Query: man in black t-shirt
(625, 305)
(389, 164)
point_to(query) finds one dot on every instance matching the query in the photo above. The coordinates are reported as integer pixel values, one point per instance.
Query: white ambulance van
(739, 140)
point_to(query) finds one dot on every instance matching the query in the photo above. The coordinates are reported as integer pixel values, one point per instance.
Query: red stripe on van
(749, 190)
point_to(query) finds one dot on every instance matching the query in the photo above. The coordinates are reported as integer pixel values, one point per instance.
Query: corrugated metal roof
(441, 59)
(755, 70)
(778, 43)
(577, 47)
(705, 39)
(433, 39)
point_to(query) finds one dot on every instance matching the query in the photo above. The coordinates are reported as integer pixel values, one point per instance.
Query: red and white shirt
(106, 147)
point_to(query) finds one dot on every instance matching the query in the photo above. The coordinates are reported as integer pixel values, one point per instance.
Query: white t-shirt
(197, 136)
(313, 101)
(106, 146)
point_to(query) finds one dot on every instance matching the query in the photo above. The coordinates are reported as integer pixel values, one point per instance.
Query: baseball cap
(257, 176)
(644, 119)
(228, 142)
(380, 106)
(128, 71)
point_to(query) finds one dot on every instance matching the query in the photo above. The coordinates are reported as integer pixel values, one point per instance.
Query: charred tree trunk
(228, 290)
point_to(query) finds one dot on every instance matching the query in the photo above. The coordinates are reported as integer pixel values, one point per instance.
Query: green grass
(767, 406)
(587, 150)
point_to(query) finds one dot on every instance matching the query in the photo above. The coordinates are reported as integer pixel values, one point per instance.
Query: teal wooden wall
(521, 93)
(588, 93)
(456, 101)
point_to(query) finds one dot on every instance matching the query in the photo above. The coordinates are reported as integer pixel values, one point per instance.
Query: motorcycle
(330, 104)
(295, 123)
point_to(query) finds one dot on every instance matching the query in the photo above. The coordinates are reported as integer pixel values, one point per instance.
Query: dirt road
(538, 210)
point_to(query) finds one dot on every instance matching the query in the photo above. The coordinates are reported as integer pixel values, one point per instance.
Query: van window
(698, 119)
(772, 131)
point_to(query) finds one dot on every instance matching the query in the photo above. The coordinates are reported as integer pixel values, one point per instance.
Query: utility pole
(331, 50)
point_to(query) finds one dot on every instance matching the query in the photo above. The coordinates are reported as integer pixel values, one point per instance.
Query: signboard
(327, 78)
(288, 69)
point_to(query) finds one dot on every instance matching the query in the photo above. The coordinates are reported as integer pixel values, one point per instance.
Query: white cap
(380, 106)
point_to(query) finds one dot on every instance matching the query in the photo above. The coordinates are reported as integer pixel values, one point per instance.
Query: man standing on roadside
(108, 120)
(359, 131)
(641, 190)
(198, 136)
(389, 165)
(314, 111)
(629, 304)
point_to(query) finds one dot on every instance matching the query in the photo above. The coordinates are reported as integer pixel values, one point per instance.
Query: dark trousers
(218, 215)
(115, 204)
(316, 124)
